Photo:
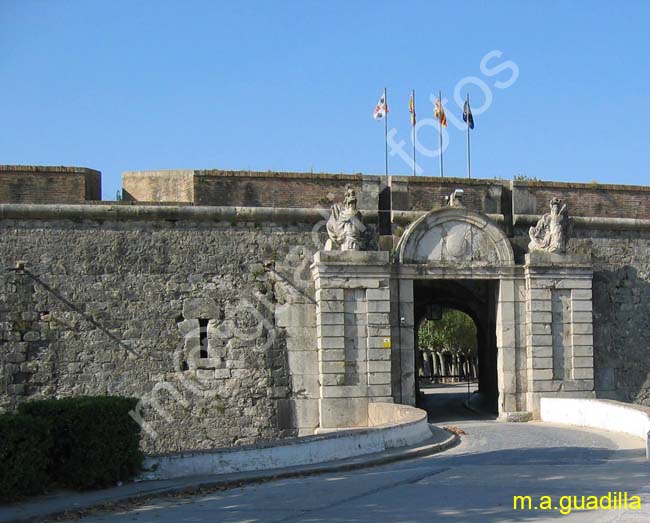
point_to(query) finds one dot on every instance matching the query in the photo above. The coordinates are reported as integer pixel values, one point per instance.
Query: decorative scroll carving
(550, 233)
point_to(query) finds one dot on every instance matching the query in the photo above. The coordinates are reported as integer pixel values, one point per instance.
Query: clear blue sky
(122, 85)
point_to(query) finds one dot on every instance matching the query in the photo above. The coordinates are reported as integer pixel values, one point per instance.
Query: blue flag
(467, 115)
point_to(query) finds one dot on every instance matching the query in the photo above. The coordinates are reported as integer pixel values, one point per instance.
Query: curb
(248, 478)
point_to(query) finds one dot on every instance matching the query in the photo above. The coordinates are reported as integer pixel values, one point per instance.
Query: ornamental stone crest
(550, 233)
(455, 236)
(345, 226)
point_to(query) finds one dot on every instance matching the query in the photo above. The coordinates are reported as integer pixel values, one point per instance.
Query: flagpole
(440, 134)
(413, 130)
(386, 134)
(469, 165)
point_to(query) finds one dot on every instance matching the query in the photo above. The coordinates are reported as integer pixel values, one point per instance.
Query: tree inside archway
(455, 332)
(448, 347)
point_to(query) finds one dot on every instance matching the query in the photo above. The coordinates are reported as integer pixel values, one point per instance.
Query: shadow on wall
(621, 301)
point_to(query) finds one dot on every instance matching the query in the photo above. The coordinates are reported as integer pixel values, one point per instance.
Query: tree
(455, 332)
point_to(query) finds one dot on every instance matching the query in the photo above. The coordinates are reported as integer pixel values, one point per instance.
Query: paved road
(474, 481)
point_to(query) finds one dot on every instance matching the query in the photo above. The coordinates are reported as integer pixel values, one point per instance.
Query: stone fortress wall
(196, 293)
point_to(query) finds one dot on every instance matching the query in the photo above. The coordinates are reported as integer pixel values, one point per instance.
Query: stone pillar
(560, 327)
(353, 333)
(506, 325)
(403, 332)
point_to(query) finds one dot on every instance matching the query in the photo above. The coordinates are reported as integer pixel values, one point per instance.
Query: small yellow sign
(386, 343)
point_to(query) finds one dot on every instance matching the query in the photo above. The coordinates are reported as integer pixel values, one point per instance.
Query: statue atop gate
(345, 226)
(550, 233)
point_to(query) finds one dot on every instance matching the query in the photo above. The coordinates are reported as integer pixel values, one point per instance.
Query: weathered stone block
(538, 305)
(379, 378)
(379, 354)
(330, 330)
(377, 342)
(540, 328)
(344, 391)
(379, 390)
(378, 319)
(329, 318)
(583, 374)
(378, 306)
(545, 386)
(348, 283)
(540, 351)
(379, 365)
(539, 317)
(535, 374)
(200, 308)
(329, 294)
(301, 413)
(331, 342)
(581, 305)
(583, 351)
(542, 363)
(379, 330)
(330, 380)
(535, 340)
(582, 328)
(189, 327)
(578, 385)
(378, 294)
(332, 355)
(343, 412)
(295, 315)
(303, 362)
(581, 294)
(357, 331)
(583, 339)
(332, 367)
(329, 306)
(581, 317)
(539, 294)
(583, 362)
(305, 386)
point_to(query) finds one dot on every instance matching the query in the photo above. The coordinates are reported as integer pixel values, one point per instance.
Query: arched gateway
(534, 317)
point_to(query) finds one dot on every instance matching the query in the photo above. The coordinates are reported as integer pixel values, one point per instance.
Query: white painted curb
(614, 416)
(391, 426)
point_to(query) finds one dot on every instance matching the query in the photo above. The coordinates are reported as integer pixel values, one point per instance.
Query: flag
(439, 113)
(412, 110)
(382, 108)
(467, 114)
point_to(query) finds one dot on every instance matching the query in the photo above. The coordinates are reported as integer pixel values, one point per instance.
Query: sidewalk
(69, 503)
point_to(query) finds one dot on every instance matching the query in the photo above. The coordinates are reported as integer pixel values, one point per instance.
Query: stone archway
(455, 244)
(477, 300)
(365, 317)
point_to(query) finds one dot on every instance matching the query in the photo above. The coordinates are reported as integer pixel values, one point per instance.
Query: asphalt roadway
(474, 481)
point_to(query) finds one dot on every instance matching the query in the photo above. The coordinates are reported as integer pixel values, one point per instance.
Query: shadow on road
(446, 402)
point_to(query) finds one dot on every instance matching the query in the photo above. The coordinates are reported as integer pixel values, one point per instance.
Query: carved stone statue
(455, 199)
(550, 233)
(345, 225)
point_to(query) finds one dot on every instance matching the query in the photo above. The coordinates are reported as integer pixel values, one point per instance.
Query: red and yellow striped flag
(439, 113)
(412, 109)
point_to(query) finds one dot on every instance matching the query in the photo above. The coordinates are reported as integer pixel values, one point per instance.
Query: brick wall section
(43, 184)
(616, 201)
(424, 193)
(255, 189)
